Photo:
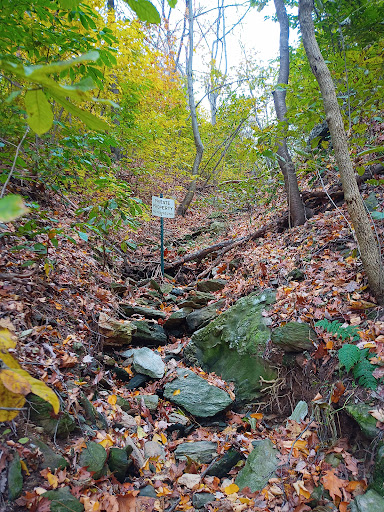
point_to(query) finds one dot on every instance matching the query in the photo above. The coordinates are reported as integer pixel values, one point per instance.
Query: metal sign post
(163, 208)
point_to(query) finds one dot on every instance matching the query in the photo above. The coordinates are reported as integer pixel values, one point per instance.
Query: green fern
(349, 356)
(363, 373)
(337, 329)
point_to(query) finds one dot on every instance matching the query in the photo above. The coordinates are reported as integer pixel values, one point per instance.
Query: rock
(218, 227)
(196, 300)
(137, 381)
(150, 401)
(175, 417)
(41, 413)
(371, 501)
(199, 499)
(62, 499)
(121, 374)
(319, 133)
(118, 288)
(366, 421)
(176, 323)
(211, 285)
(118, 463)
(129, 310)
(200, 451)
(153, 449)
(148, 362)
(300, 412)
(51, 459)
(296, 275)
(232, 345)
(116, 332)
(196, 395)
(148, 491)
(124, 404)
(15, 478)
(377, 480)
(223, 466)
(260, 466)
(93, 458)
(294, 337)
(148, 333)
(135, 452)
(201, 317)
(94, 417)
(189, 480)
(126, 421)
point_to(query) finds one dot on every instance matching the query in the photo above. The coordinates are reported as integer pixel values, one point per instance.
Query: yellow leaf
(300, 489)
(177, 392)
(42, 390)
(7, 342)
(164, 440)
(140, 433)
(24, 467)
(9, 399)
(14, 382)
(231, 489)
(112, 399)
(53, 480)
(257, 415)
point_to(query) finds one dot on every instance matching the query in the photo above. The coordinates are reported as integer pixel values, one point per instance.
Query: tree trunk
(368, 245)
(184, 205)
(295, 204)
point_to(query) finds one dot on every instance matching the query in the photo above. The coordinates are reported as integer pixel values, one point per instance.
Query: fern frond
(363, 373)
(337, 329)
(349, 355)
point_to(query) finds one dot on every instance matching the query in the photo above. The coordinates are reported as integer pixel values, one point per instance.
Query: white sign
(162, 207)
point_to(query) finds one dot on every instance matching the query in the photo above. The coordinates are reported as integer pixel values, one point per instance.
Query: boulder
(152, 314)
(148, 333)
(51, 459)
(196, 395)
(233, 344)
(154, 449)
(189, 480)
(176, 323)
(260, 466)
(201, 317)
(116, 332)
(371, 501)
(377, 481)
(118, 463)
(199, 499)
(367, 423)
(41, 413)
(150, 401)
(211, 285)
(200, 451)
(294, 337)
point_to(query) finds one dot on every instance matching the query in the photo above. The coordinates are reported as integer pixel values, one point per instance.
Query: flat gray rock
(201, 317)
(150, 313)
(200, 451)
(211, 285)
(196, 395)
(371, 501)
(294, 337)
(148, 333)
(148, 362)
(260, 466)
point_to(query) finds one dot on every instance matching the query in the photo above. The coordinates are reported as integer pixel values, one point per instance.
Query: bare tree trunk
(183, 207)
(368, 245)
(295, 204)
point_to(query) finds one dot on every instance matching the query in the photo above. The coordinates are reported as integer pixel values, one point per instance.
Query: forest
(191, 266)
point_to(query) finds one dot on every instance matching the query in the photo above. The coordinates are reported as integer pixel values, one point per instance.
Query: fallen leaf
(333, 484)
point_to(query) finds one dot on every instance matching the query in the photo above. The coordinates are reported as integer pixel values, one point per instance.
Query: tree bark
(295, 204)
(184, 205)
(368, 245)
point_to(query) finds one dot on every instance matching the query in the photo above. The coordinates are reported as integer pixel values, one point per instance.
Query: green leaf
(68, 4)
(349, 355)
(12, 207)
(40, 115)
(93, 457)
(172, 3)
(378, 149)
(363, 373)
(63, 501)
(145, 10)
(12, 96)
(93, 122)
(83, 236)
(377, 215)
(15, 478)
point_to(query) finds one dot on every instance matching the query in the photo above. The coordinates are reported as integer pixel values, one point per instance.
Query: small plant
(350, 356)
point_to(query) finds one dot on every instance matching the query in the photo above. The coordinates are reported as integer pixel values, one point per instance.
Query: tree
(369, 248)
(295, 203)
(183, 207)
